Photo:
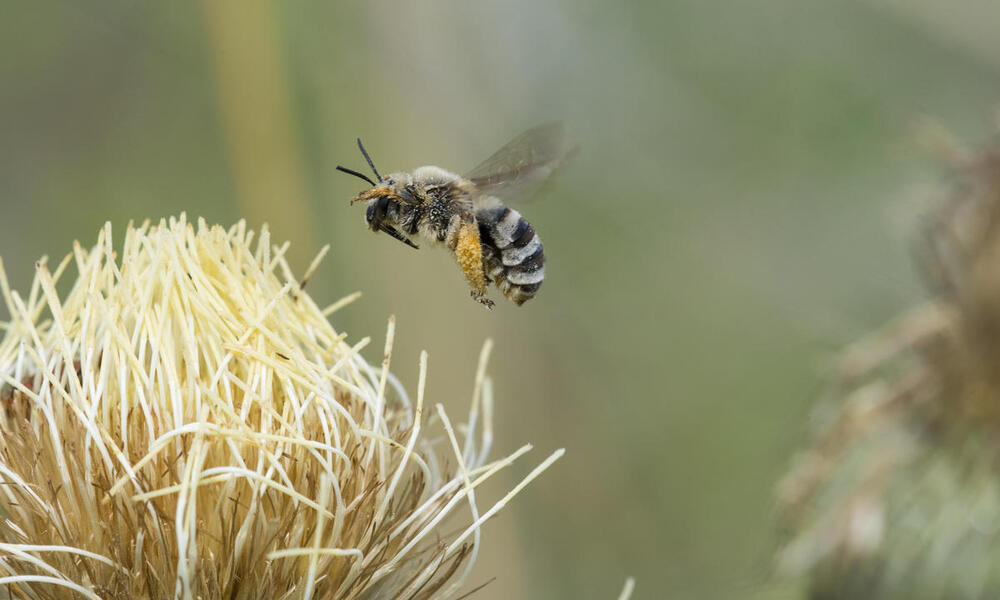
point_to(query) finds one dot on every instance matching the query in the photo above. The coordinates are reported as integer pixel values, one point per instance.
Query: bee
(468, 215)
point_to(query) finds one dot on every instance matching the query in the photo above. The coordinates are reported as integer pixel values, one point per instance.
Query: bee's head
(392, 187)
(384, 197)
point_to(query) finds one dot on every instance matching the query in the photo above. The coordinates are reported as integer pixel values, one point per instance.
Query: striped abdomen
(512, 253)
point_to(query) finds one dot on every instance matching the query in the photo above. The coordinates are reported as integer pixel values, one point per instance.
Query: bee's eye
(392, 181)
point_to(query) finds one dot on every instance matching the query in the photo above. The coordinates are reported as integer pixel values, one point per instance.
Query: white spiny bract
(186, 423)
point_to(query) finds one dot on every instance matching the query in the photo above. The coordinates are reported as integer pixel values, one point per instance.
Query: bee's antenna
(356, 174)
(368, 158)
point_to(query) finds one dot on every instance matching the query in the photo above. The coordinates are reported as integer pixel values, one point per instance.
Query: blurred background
(743, 206)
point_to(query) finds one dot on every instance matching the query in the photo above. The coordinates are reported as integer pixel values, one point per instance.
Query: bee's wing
(516, 171)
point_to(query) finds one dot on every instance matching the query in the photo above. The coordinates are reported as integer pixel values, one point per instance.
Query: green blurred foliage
(741, 207)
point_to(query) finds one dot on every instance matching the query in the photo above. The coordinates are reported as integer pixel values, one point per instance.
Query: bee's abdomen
(512, 253)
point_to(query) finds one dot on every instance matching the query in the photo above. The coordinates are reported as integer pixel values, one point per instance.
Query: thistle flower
(186, 422)
(899, 494)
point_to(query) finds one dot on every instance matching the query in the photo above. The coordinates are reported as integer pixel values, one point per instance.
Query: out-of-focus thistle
(186, 423)
(899, 494)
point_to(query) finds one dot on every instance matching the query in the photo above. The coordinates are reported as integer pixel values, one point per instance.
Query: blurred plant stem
(256, 117)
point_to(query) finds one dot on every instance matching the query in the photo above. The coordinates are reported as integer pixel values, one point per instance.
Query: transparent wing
(516, 171)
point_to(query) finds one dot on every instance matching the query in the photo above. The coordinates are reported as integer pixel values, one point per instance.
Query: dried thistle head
(187, 423)
(899, 493)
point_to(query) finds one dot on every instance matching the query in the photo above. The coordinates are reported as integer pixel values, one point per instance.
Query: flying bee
(467, 214)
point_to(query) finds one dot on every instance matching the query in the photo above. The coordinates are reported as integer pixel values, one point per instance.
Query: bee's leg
(464, 239)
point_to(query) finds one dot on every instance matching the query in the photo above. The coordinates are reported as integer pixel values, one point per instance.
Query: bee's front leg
(463, 238)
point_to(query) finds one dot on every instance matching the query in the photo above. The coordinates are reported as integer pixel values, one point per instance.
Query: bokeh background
(743, 205)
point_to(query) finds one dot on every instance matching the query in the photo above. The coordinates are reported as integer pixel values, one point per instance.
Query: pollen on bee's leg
(469, 254)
